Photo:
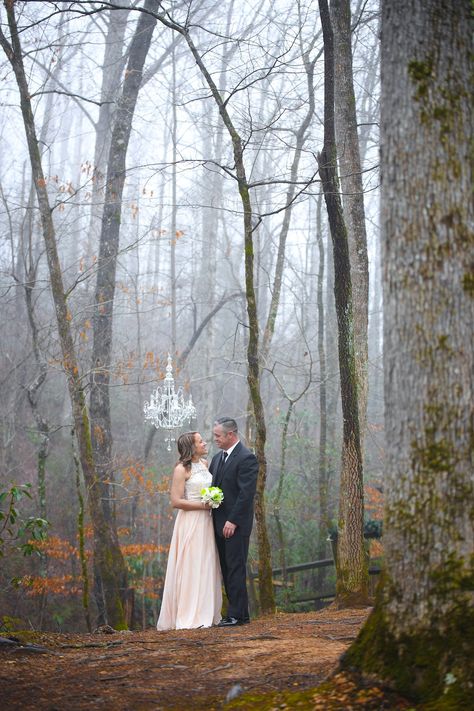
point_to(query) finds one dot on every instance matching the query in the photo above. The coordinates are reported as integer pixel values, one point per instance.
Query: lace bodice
(200, 477)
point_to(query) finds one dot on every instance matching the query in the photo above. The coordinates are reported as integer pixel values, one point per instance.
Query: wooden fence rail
(318, 596)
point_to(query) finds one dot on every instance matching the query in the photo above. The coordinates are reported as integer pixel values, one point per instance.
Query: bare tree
(351, 563)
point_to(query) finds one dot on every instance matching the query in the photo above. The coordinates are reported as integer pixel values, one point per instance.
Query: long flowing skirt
(192, 595)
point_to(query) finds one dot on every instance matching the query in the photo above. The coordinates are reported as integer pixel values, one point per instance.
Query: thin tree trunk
(277, 509)
(301, 135)
(374, 404)
(267, 600)
(31, 268)
(213, 196)
(82, 539)
(420, 633)
(174, 208)
(352, 195)
(42, 425)
(334, 386)
(351, 565)
(281, 480)
(112, 69)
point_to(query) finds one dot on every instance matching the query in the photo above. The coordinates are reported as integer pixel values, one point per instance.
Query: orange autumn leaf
(142, 549)
(59, 585)
(55, 547)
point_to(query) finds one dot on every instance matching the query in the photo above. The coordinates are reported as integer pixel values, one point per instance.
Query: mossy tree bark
(101, 425)
(421, 634)
(103, 540)
(266, 594)
(351, 565)
(348, 154)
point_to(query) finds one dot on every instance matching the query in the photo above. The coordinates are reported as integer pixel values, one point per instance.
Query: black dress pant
(233, 554)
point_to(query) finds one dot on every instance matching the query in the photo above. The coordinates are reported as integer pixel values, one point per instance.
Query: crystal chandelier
(167, 408)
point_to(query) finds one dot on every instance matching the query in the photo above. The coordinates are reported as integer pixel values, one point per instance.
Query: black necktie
(220, 466)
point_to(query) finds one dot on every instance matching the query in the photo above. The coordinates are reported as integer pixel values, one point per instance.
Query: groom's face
(222, 438)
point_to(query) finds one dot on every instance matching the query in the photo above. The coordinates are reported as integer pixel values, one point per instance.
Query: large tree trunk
(420, 635)
(101, 425)
(104, 543)
(352, 195)
(351, 564)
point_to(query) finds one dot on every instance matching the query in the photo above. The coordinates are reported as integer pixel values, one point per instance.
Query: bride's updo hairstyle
(186, 448)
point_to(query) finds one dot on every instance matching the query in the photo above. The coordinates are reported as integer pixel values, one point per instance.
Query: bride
(192, 595)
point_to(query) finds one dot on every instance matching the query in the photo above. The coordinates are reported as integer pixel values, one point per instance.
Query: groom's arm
(247, 471)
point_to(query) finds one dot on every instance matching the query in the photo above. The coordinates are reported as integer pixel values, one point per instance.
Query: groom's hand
(229, 529)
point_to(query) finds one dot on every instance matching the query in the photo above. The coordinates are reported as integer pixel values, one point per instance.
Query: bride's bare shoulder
(180, 471)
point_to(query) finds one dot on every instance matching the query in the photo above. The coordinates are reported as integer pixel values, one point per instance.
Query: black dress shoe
(231, 622)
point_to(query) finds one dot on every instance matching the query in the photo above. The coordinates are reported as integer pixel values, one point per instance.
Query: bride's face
(200, 446)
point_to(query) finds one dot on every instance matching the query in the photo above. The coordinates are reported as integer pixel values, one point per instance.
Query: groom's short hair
(227, 424)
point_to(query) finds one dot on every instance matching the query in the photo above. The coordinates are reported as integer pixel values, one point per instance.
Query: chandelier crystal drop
(168, 408)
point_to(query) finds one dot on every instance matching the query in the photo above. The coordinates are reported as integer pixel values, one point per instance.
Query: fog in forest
(173, 281)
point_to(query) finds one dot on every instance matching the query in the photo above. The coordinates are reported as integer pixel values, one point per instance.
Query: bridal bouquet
(212, 495)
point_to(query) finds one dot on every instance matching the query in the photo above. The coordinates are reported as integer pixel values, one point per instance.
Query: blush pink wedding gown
(192, 595)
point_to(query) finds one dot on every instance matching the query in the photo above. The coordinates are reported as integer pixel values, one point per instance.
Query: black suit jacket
(238, 481)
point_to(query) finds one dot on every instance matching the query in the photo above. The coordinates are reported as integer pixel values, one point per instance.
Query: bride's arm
(177, 492)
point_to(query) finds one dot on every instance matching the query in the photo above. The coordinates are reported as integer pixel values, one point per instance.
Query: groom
(235, 470)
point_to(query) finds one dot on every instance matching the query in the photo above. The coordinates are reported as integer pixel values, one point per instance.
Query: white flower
(213, 496)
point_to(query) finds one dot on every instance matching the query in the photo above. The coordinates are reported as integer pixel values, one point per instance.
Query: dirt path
(192, 669)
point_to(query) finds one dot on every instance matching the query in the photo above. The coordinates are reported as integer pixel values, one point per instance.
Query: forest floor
(272, 663)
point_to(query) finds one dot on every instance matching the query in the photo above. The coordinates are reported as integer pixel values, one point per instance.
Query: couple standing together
(209, 542)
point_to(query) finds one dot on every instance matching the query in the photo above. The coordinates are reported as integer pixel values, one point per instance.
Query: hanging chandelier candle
(168, 408)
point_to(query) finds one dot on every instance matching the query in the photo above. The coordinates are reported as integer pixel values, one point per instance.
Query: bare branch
(71, 94)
